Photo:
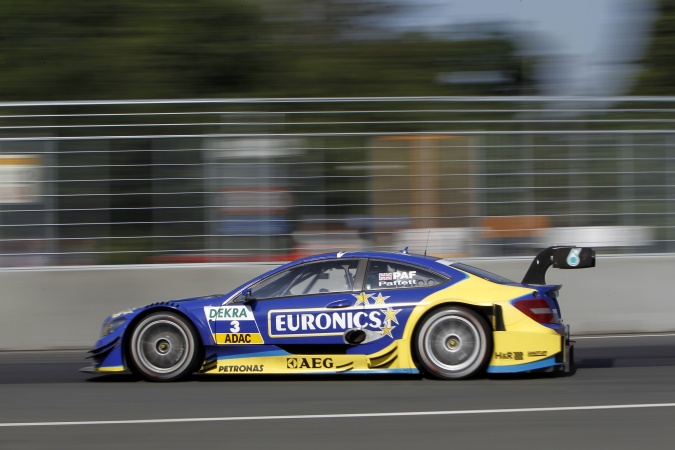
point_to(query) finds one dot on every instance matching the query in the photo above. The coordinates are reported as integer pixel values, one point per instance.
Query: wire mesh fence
(133, 182)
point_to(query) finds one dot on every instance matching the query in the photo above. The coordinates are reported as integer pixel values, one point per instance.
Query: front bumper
(103, 370)
(107, 356)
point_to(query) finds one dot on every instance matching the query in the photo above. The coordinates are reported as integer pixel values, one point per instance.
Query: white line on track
(337, 416)
(617, 336)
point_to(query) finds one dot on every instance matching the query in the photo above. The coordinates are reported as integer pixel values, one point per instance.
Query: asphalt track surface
(621, 396)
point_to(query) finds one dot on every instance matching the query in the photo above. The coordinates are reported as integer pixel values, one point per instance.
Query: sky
(589, 46)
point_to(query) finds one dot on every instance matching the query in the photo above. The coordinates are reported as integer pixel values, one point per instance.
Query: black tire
(571, 367)
(163, 347)
(453, 343)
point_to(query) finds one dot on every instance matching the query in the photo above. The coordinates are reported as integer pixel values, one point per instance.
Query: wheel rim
(162, 346)
(452, 343)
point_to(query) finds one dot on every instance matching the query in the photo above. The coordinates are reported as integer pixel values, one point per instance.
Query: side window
(314, 278)
(394, 275)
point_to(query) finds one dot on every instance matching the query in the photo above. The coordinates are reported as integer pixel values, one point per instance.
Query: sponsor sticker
(233, 325)
(239, 338)
(241, 368)
(322, 322)
(292, 364)
(517, 356)
(309, 363)
(573, 259)
(397, 279)
(308, 322)
(238, 312)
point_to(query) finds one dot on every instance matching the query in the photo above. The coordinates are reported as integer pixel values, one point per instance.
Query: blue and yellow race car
(357, 312)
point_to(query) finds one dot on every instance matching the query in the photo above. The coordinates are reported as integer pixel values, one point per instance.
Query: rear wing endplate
(561, 257)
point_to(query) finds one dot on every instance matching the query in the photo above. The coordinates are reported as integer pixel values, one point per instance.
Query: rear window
(482, 273)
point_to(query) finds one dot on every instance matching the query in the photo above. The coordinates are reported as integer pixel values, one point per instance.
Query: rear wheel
(163, 347)
(453, 343)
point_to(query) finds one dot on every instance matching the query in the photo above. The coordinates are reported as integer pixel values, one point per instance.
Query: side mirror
(248, 299)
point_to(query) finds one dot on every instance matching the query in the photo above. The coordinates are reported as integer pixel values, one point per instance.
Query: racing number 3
(234, 328)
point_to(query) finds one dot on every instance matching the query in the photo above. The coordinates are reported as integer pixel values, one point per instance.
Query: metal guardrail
(166, 181)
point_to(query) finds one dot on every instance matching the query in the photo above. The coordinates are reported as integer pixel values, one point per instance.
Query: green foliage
(136, 49)
(658, 75)
(126, 49)
(66, 49)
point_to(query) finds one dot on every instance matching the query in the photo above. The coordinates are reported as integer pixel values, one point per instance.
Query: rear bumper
(568, 351)
(524, 351)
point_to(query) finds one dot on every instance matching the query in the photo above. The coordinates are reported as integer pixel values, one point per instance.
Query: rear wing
(561, 257)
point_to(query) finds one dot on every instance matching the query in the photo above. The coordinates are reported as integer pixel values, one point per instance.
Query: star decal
(362, 298)
(379, 300)
(387, 329)
(390, 315)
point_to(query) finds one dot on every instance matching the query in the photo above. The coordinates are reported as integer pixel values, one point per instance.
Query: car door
(310, 304)
(391, 290)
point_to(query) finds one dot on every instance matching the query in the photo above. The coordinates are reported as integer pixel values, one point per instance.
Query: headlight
(112, 325)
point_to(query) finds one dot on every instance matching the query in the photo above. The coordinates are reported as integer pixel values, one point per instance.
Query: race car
(357, 313)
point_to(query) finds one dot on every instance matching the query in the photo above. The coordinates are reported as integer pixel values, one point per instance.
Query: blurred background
(136, 132)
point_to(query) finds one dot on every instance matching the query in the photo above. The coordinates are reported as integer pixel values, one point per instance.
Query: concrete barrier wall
(64, 308)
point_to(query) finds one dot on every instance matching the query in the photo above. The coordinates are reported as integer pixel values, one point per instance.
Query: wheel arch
(126, 340)
(486, 312)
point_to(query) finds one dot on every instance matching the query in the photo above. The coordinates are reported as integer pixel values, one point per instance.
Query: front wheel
(453, 343)
(163, 347)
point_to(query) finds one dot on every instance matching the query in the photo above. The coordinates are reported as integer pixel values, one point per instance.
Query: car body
(355, 312)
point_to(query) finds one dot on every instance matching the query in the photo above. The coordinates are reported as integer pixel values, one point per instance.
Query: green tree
(658, 74)
(65, 49)
(117, 49)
